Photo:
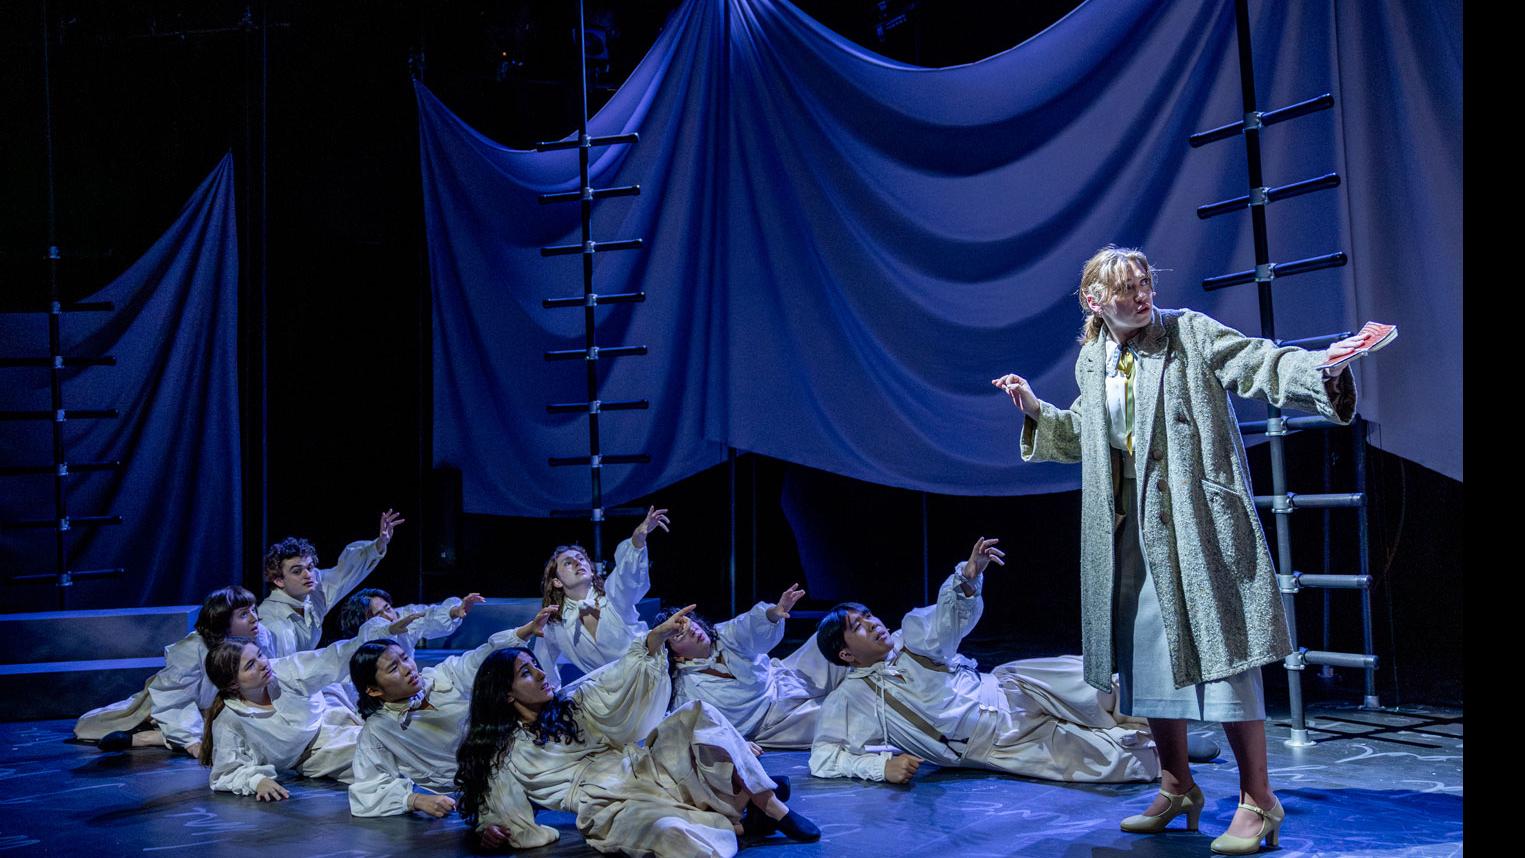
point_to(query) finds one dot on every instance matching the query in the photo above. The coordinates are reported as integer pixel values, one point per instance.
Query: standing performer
(598, 620)
(685, 792)
(1177, 583)
(773, 702)
(911, 689)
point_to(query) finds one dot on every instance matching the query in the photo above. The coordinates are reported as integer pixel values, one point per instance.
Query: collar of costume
(281, 597)
(888, 667)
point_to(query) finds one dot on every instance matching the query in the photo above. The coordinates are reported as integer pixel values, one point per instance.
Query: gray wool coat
(1201, 536)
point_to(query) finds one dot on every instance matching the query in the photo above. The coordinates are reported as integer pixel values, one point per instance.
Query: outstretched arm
(937, 630)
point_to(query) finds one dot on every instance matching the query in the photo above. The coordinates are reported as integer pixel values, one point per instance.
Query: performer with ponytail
(167, 712)
(271, 715)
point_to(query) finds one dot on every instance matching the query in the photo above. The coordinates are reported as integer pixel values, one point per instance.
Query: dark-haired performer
(167, 712)
(685, 792)
(440, 620)
(405, 757)
(771, 701)
(301, 594)
(912, 690)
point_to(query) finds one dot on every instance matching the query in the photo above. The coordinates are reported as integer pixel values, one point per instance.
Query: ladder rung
(13, 362)
(594, 300)
(1282, 192)
(587, 461)
(69, 468)
(607, 140)
(82, 573)
(593, 194)
(1270, 117)
(1312, 501)
(1258, 427)
(596, 407)
(1341, 659)
(1280, 269)
(595, 353)
(1333, 582)
(74, 307)
(590, 247)
(69, 522)
(68, 414)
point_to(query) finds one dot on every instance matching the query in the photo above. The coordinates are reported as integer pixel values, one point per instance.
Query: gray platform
(51, 636)
(1382, 784)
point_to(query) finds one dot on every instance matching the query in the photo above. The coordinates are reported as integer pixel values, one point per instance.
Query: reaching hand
(1021, 393)
(268, 790)
(436, 806)
(389, 520)
(466, 605)
(786, 603)
(654, 519)
(984, 552)
(755, 748)
(536, 625)
(402, 623)
(900, 768)
(669, 627)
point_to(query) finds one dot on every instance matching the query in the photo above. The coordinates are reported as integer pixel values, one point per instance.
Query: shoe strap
(1264, 814)
(1173, 796)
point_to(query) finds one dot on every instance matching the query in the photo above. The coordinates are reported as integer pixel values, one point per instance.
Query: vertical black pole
(730, 470)
(1358, 432)
(55, 336)
(263, 239)
(425, 358)
(1281, 511)
(589, 340)
(926, 560)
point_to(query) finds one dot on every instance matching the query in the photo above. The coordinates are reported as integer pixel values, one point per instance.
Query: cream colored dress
(672, 797)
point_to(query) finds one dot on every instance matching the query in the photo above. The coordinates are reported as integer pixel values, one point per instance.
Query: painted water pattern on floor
(1378, 783)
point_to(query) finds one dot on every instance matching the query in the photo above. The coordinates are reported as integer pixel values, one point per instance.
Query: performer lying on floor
(911, 689)
(773, 702)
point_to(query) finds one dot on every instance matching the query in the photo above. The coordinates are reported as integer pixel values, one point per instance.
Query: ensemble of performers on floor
(656, 747)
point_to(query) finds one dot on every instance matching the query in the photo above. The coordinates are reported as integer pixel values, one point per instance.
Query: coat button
(1164, 518)
(1160, 485)
(1157, 455)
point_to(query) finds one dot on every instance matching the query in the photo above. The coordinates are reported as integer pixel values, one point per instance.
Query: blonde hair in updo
(1102, 277)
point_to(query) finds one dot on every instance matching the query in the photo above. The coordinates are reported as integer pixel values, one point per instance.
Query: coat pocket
(1237, 545)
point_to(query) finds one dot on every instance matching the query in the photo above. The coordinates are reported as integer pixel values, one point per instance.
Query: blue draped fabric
(174, 334)
(842, 251)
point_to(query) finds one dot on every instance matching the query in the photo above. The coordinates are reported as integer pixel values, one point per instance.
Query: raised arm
(356, 561)
(937, 630)
(461, 670)
(1255, 368)
(309, 671)
(1048, 434)
(752, 633)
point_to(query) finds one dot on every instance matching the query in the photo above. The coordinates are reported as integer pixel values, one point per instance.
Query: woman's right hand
(1021, 393)
(536, 627)
(493, 836)
(671, 626)
(268, 790)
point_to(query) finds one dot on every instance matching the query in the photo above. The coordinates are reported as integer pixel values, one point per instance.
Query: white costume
(297, 624)
(406, 744)
(774, 702)
(672, 797)
(301, 730)
(174, 698)
(567, 639)
(436, 622)
(1035, 718)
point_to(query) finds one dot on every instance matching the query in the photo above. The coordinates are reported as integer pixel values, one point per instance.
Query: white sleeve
(629, 582)
(380, 788)
(355, 562)
(435, 624)
(751, 634)
(937, 630)
(838, 749)
(506, 804)
(626, 699)
(236, 767)
(309, 670)
(175, 692)
(461, 670)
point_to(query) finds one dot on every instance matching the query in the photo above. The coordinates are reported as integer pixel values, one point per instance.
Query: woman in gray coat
(1177, 583)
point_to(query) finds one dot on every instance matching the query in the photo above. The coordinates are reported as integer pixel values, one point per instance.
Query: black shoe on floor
(796, 827)
(782, 790)
(117, 740)
(1201, 749)
(756, 825)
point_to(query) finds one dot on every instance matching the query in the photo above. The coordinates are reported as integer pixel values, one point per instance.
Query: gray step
(69, 689)
(119, 633)
(500, 613)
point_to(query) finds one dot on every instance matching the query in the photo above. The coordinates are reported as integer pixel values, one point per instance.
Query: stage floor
(1389, 785)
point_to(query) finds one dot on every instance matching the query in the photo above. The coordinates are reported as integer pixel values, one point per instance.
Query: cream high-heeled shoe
(1270, 832)
(1191, 803)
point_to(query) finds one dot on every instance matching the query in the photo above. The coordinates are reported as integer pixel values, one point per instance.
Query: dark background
(315, 102)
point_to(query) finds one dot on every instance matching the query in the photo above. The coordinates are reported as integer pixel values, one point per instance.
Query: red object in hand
(1372, 336)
